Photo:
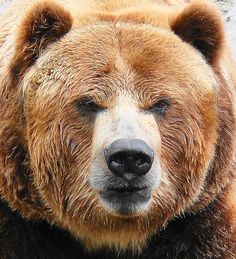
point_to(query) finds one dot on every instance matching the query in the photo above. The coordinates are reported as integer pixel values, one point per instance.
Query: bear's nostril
(129, 156)
(141, 159)
(120, 158)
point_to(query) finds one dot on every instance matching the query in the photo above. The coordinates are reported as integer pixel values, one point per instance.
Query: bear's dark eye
(160, 107)
(88, 106)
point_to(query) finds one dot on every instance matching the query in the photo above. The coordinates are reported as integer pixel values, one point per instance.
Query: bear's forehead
(126, 55)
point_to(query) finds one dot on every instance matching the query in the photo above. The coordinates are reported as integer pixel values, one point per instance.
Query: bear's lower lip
(126, 201)
(126, 191)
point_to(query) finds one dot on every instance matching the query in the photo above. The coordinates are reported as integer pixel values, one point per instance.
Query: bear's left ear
(201, 25)
(44, 23)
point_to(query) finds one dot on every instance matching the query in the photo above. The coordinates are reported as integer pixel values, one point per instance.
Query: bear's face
(115, 127)
(121, 129)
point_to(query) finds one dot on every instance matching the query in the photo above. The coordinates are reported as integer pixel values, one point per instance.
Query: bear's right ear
(46, 22)
(200, 24)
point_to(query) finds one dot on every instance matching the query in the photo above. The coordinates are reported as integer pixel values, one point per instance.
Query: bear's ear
(201, 25)
(44, 23)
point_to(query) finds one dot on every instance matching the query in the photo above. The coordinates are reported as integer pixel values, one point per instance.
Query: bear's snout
(129, 158)
(126, 166)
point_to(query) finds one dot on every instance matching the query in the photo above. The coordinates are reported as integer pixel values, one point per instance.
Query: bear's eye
(160, 107)
(88, 106)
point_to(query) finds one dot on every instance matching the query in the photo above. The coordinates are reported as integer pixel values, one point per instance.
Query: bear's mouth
(126, 190)
(126, 201)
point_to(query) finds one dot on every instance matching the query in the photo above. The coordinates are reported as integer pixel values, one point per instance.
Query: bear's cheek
(187, 149)
(60, 147)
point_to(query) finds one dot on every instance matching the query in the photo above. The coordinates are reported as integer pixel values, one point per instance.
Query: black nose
(129, 156)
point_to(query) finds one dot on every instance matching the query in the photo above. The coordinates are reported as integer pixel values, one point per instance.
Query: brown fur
(62, 52)
(44, 24)
(193, 26)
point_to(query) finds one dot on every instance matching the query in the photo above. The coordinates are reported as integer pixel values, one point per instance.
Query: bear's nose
(129, 156)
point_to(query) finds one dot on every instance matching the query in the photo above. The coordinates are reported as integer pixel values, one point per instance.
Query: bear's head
(113, 128)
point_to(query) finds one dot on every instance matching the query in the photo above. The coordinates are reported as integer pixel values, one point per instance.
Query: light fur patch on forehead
(125, 121)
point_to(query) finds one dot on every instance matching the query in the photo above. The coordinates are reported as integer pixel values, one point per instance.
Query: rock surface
(225, 5)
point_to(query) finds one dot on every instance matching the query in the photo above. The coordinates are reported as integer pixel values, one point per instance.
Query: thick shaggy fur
(52, 54)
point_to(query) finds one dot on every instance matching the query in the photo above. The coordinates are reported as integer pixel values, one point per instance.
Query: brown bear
(117, 130)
